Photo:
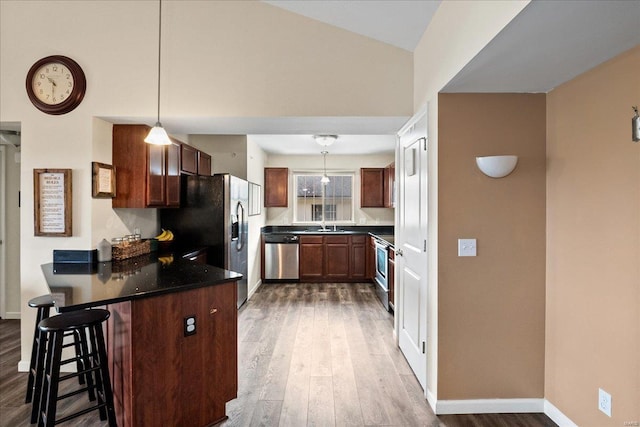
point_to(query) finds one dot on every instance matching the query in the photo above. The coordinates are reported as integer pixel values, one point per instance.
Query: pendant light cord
(159, 51)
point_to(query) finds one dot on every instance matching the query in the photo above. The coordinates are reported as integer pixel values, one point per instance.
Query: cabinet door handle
(213, 310)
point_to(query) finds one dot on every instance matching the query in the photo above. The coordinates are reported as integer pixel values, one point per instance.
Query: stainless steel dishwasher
(281, 257)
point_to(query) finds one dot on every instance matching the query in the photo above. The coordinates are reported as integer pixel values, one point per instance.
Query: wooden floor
(309, 354)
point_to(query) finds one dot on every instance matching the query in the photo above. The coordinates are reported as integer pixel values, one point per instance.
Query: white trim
(431, 400)
(12, 315)
(23, 366)
(489, 406)
(557, 416)
(254, 289)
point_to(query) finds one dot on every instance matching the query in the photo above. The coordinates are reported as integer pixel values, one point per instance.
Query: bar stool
(44, 303)
(55, 327)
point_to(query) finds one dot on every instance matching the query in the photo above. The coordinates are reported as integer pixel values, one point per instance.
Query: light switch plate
(467, 247)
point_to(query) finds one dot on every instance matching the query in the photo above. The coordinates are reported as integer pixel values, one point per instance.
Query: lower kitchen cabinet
(311, 258)
(358, 258)
(371, 258)
(337, 258)
(333, 258)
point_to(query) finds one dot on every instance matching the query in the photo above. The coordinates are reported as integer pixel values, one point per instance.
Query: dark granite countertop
(77, 286)
(315, 229)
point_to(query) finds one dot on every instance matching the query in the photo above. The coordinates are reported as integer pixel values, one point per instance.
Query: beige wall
(363, 216)
(593, 244)
(491, 307)
(220, 59)
(228, 152)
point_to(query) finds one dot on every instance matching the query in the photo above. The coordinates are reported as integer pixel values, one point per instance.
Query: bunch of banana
(166, 260)
(165, 236)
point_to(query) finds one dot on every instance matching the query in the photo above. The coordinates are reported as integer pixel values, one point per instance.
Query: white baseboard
(489, 406)
(431, 400)
(557, 416)
(23, 366)
(12, 315)
(254, 288)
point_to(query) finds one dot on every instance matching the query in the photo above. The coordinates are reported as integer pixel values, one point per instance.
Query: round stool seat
(41, 301)
(74, 320)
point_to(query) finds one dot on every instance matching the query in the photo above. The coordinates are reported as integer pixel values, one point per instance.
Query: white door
(411, 249)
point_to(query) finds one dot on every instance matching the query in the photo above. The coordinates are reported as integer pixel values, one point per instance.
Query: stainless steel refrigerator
(213, 214)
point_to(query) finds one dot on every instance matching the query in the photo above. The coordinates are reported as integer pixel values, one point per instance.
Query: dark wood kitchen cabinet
(311, 258)
(161, 376)
(358, 258)
(389, 187)
(332, 258)
(276, 187)
(377, 187)
(194, 161)
(337, 250)
(189, 161)
(204, 164)
(372, 187)
(146, 175)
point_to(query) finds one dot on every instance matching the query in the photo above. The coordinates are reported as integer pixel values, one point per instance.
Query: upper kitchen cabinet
(390, 186)
(377, 187)
(372, 187)
(204, 164)
(276, 187)
(194, 161)
(147, 176)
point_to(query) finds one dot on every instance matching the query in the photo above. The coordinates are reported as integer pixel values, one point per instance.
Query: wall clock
(56, 84)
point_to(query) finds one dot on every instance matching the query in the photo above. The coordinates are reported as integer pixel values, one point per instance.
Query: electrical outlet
(189, 325)
(604, 401)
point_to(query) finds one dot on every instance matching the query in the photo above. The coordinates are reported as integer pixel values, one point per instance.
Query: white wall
(220, 59)
(363, 216)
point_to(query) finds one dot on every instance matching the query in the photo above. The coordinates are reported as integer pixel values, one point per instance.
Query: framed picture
(255, 199)
(103, 179)
(52, 202)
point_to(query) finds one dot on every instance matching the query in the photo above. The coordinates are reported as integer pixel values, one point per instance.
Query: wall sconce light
(635, 126)
(497, 166)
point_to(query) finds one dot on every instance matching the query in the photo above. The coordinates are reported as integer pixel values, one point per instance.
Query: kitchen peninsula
(171, 337)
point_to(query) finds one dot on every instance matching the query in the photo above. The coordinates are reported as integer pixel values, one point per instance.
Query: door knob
(399, 252)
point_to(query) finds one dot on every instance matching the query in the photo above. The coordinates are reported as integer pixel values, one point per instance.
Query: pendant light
(325, 179)
(157, 135)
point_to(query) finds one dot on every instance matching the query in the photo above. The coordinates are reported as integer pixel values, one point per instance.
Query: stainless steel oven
(382, 270)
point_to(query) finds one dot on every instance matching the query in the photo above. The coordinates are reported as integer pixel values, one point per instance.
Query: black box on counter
(66, 256)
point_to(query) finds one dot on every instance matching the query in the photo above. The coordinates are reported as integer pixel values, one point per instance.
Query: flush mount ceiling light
(497, 166)
(157, 134)
(325, 140)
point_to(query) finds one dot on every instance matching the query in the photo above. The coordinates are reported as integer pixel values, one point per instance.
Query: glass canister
(104, 251)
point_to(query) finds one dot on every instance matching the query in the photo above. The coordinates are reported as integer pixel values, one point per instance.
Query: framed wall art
(52, 202)
(103, 180)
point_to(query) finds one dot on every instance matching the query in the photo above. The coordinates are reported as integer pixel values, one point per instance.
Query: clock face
(52, 83)
(56, 84)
